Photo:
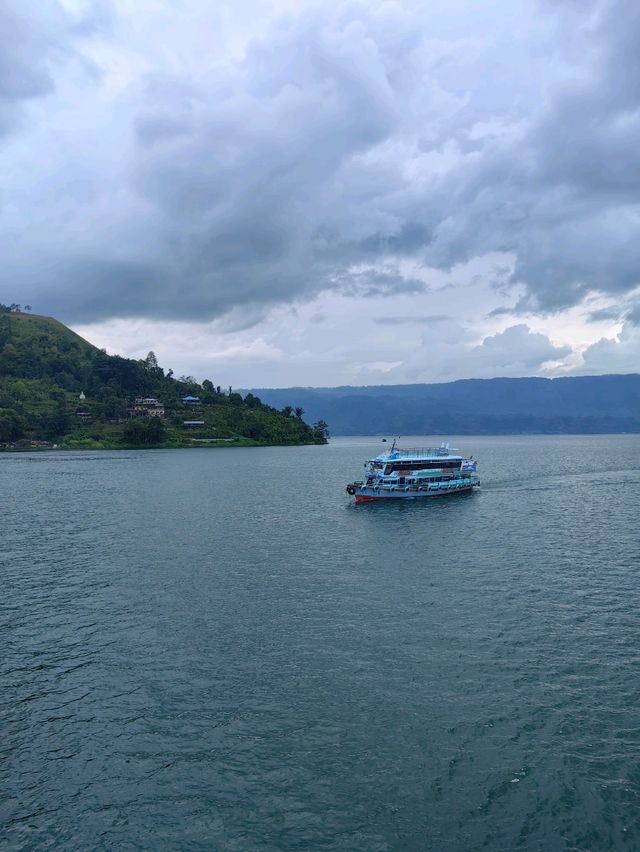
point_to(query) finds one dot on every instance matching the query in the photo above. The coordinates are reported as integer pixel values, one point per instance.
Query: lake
(216, 649)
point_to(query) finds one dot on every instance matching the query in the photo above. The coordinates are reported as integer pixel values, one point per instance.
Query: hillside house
(147, 407)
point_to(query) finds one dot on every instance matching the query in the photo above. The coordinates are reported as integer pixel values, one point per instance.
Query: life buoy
(351, 490)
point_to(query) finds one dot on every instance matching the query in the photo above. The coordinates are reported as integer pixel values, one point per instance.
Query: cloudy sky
(279, 192)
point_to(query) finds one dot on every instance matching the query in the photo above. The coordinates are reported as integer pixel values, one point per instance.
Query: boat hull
(370, 495)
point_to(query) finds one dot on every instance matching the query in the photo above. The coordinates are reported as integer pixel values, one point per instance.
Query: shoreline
(128, 447)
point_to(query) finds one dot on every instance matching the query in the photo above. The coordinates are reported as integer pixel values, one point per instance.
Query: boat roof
(419, 454)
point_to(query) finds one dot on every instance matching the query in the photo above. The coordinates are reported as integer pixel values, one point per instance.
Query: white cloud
(439, 334)
(614, 355)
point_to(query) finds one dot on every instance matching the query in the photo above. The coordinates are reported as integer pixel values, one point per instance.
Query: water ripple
(190, 664)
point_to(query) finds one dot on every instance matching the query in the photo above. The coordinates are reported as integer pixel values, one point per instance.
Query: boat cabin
(403, 465)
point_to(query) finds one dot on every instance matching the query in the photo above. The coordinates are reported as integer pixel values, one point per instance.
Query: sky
(284, 193)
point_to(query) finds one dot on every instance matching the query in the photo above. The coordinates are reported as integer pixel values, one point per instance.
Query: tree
(10, 352)
(208, 386)
(299, 412)
(20, 389)
(140, 432)
(12, 426)
(151, 362)
(114, 406)
(5, 330)
(287, 411)
(252, 401)
(320, 432)
(155, 430)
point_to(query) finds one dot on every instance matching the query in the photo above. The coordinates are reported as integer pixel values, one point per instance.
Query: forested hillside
(57, 388)
(576, 404)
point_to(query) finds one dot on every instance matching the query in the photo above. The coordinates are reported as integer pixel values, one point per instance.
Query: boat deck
(418, 454)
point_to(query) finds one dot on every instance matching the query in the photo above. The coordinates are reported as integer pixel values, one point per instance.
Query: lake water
(216, 649)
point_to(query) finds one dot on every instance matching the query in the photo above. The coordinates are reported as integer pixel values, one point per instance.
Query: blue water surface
(216, 649)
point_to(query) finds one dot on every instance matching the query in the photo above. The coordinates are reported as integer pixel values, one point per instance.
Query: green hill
(56, 387)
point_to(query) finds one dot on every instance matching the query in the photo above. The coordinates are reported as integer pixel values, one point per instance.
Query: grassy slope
(31, 326)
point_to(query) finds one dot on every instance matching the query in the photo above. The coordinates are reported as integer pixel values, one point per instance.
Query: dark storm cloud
(346, 141)
(244, 170)
(564, 195)
(605, 315)
(633, 316)
(24, 54)
(36, 36)
(375, 283)
(411, 237)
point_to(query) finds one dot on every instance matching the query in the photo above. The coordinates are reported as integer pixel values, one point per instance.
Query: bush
(141, 432)
(12, 426)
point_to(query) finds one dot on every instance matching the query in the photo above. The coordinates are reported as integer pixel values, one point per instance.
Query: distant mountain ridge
(573, 404)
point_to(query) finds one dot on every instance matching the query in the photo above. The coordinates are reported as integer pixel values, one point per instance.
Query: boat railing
(422, 451)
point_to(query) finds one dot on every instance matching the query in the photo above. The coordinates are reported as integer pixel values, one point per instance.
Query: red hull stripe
(362, 498)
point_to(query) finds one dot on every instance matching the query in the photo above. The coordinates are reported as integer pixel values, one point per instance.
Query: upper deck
(419, 454)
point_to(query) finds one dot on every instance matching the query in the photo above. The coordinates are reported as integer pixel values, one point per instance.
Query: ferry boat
(415, 474)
